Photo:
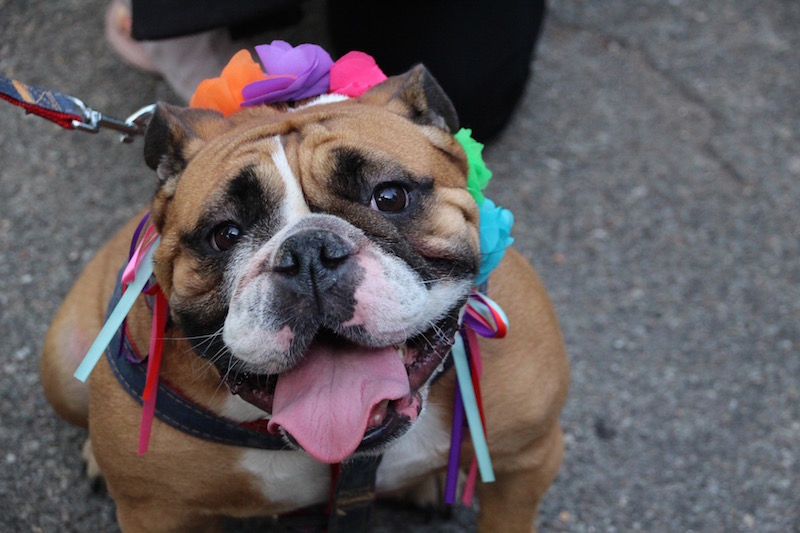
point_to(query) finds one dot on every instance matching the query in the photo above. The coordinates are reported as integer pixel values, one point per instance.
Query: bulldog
(315, 257)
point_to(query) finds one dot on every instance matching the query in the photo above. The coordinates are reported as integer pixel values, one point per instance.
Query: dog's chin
(423, 357)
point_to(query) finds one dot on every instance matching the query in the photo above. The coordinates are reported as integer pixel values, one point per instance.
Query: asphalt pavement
(653, 170)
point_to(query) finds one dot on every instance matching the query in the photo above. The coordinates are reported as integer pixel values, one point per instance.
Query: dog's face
(319, 255)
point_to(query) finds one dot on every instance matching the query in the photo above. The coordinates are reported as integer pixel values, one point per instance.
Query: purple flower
(293, 73)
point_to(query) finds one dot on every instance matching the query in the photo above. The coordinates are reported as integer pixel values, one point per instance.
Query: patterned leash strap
(70, 112)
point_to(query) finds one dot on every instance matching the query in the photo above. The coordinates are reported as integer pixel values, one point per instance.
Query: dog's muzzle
(387, 414)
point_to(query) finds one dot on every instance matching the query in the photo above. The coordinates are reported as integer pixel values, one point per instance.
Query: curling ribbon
(153, 365)
(136, 275)
(483, 317)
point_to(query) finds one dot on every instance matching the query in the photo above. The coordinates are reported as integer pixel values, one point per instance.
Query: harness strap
(352, 500)
(52, 105)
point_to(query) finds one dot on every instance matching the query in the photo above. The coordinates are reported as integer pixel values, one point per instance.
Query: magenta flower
(293, 73)
(354, 73)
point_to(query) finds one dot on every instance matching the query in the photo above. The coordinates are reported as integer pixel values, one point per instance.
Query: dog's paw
(93, 472)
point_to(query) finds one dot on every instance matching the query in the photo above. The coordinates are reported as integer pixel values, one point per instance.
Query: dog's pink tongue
(325, 403)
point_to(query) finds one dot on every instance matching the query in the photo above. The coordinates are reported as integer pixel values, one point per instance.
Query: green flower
(479, 176)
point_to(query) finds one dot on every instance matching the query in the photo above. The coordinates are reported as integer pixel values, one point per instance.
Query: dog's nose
(312, 261)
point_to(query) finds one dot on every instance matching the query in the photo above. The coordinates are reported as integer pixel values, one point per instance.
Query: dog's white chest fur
(293, 478)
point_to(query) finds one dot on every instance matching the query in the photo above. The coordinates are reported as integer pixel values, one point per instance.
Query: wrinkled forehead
(313, 151)
(380, 134)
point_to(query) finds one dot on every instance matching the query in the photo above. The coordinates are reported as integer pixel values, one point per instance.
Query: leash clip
(94, 120)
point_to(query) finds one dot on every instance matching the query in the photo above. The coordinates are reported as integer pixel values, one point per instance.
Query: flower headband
(307, 70)
(292, 73)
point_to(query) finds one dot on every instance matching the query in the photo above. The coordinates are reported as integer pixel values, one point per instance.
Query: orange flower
(225, 93)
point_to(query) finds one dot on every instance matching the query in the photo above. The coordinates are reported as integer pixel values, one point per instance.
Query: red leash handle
(52, 105)
(70, 112)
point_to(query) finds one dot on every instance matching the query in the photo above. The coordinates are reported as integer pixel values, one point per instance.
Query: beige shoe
(118, 35)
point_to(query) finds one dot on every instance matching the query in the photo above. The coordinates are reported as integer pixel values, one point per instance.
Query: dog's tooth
(379, 412)
(401, 351)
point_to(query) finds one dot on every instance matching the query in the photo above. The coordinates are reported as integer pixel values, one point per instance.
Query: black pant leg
(479, 51)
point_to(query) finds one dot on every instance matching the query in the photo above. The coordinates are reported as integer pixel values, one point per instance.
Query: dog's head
(319, 254)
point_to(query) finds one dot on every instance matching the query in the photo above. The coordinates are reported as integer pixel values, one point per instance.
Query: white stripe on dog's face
(330, 98)
(252, 330)
(294, 204)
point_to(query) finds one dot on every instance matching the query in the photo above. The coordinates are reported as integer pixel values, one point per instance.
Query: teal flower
(495, 237)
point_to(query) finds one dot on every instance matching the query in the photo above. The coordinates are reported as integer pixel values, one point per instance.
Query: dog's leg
(75, 327)
(66, 342)
(525, 381)
(510, 503)
(151, 516)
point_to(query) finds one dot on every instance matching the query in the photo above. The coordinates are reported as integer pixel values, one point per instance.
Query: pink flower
(354, 73)
(293, 73)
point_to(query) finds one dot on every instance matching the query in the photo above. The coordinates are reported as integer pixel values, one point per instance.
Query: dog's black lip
(393, 425)
(257, 389)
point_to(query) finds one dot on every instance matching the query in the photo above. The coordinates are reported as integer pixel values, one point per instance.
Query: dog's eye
(225, 236)
(389, 198)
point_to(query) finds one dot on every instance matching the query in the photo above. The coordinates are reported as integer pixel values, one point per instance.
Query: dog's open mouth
(343, 398)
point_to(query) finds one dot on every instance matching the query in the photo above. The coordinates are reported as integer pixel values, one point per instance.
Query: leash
(70, 112)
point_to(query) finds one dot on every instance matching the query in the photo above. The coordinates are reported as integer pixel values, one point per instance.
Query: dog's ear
(174, 135)
(418, 96)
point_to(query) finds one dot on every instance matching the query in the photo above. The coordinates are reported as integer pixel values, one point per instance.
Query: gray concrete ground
(653, 170)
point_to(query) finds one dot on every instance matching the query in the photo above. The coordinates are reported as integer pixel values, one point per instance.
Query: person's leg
(188, 41)
(178, 18)
(479, 51)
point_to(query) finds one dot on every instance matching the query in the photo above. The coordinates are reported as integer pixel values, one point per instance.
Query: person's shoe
(118, 35)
